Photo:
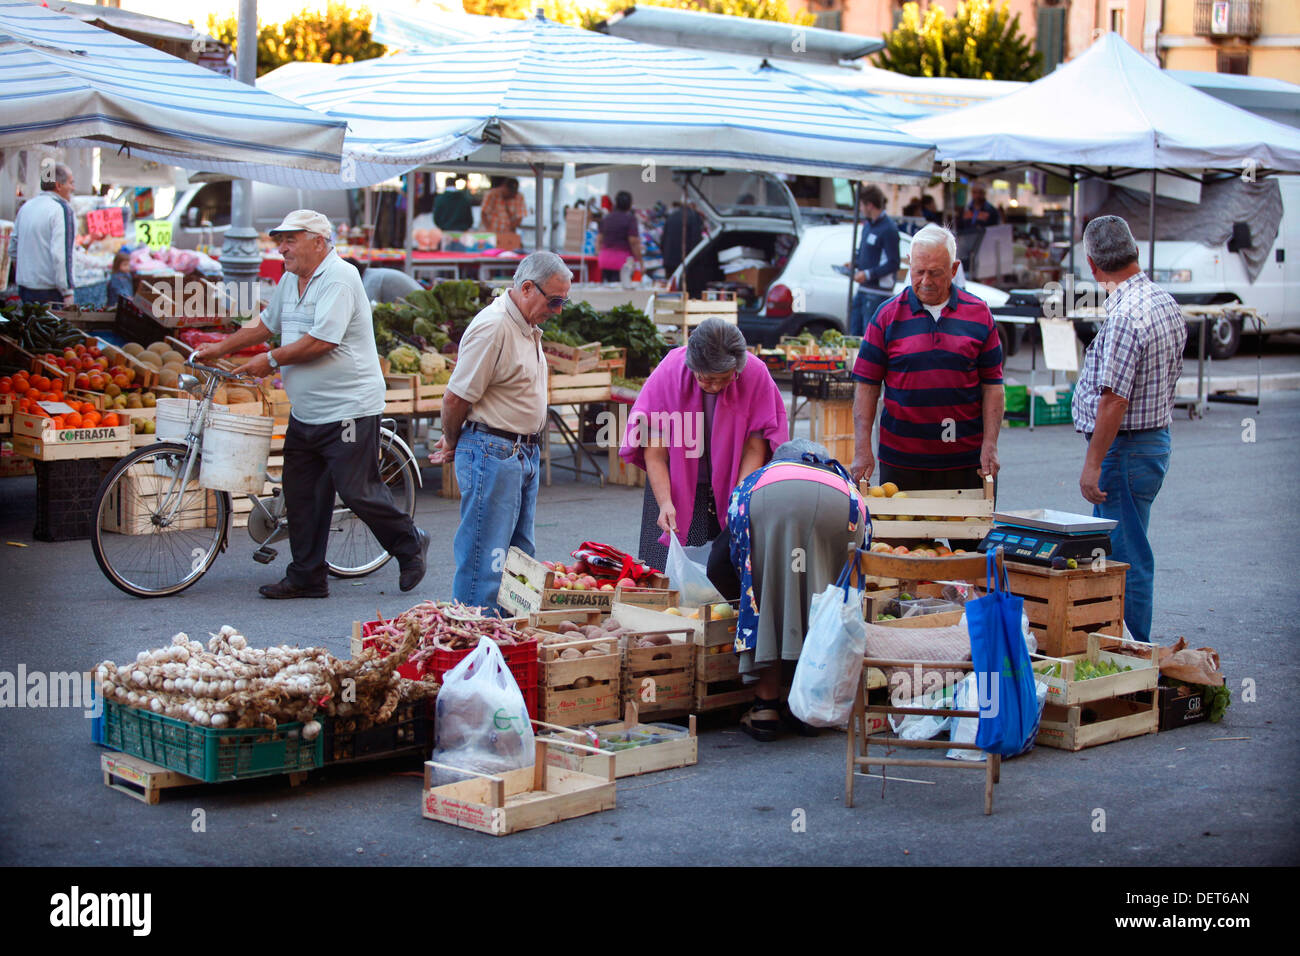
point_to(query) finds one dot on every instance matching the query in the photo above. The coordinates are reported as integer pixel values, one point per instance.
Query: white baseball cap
(305, 220)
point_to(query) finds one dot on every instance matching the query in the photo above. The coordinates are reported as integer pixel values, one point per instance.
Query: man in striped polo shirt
(936, 351)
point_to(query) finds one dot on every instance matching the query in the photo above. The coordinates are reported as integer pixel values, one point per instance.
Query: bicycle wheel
(353, 551)
(147, 542)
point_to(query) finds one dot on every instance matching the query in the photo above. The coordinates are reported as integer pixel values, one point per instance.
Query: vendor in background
(1124, 403)
(423, 214)
(801, 503)
(120, 283)
(931, 343)
(492, 417)
(708, 416)
(503, 213)
(877, 261)
(676, 244)
(979, 213)
(930, 209)
(619, 239)
(41, 243)
(452, 210)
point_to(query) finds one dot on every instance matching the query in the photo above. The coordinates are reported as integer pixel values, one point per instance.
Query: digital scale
(1038, 535)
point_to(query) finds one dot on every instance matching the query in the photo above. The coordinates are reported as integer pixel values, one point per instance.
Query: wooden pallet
(1064, 607)
(831, 424)
(140, 779)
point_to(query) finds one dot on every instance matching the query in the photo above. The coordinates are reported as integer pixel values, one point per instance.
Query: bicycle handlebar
(212, 370)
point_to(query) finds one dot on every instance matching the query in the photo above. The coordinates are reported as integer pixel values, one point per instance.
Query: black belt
(1129, 432)
(508, 436)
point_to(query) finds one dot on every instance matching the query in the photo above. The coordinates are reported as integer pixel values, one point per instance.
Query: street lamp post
(241, 261)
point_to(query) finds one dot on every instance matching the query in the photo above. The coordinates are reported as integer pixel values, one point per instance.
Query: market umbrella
(64, 80)
(547, 93)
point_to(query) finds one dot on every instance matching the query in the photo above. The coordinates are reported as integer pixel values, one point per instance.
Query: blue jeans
(1131, 476)
(860, 313)
(498, 488)
(30, 295)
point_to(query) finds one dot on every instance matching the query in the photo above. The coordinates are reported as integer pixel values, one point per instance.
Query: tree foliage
(982, 41)
(338, 35)
(587, 13)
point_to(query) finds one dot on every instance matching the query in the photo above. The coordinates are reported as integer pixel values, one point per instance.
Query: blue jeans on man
(498, 486)
(1131, 475)
(863, 308)
(30, 295)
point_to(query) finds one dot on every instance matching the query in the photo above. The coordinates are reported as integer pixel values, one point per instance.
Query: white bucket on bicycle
(235, 449)
(172, 423)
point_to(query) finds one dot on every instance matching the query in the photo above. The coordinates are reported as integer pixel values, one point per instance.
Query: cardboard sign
(56, 408)
(154, 233)
(106, 222)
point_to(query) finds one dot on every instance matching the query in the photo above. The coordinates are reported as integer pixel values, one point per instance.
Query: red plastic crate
(409, 670)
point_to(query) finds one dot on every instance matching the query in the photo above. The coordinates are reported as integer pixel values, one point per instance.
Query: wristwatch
(270, 360)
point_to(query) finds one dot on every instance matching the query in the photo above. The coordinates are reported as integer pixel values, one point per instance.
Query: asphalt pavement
(1224, 530)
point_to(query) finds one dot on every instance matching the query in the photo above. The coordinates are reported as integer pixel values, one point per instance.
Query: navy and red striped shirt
(933, 374)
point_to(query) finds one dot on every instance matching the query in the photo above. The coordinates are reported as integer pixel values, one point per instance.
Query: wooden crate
(560, 701)
(399, 393)
(37, 438)
(140, 779)
(134, 501)
(6, 414)
(168, 300)
(967, 514)
(571, 359)
(428, 398)
(613, 360)
(686, 313)
(660, 681)
(537, 592)
(717, 666)
(1100, 710)
(679, 748)
(519, 799)
(1064, 607)
(574, 389)
(620, 472)
(831, 424)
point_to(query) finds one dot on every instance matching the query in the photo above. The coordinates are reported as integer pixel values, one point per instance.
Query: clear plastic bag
(688, 572)
(830, 664)
(482, 720)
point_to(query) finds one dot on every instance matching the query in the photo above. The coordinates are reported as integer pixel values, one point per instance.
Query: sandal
(762, 721)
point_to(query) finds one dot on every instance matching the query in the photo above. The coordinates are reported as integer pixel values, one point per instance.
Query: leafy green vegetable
(1217, 700)
(624, 326)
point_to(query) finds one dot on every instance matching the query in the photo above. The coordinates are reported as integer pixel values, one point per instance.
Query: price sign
(57, 408)
(154, 233)
(106, 222)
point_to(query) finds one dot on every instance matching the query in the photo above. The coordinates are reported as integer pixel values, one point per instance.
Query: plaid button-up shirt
(1138, 355)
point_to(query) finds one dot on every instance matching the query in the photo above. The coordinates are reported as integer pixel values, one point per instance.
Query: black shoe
(283, 589)
(413, 573)
(762, 721)
(794, 724)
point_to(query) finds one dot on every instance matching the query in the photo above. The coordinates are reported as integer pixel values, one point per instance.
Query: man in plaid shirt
(1123, 405)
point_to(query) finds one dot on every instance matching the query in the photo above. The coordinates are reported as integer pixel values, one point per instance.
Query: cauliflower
(433, 369)
(404, 359)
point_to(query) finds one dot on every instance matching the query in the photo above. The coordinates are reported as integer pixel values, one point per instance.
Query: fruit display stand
(1065, 606)
(519, 799)
(638, 748)
(1087, 712)
(717, 666)
(37, 438)
(571, 359)
(958, 514)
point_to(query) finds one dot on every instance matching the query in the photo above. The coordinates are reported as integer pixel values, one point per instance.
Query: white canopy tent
(64, 80)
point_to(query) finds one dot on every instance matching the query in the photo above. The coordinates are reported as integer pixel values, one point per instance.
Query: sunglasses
(553, 302)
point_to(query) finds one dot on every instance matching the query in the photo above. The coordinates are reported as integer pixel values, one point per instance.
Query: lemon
(890, 489)
(878, 491)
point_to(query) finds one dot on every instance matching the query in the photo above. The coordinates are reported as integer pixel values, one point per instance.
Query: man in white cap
(330, 368)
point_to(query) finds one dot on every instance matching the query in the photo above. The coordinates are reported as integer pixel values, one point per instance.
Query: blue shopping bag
(1008, 697)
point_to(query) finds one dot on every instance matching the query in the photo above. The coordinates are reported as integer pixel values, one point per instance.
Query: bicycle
(157, 530)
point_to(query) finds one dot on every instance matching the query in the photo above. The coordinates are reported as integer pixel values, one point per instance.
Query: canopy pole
(1151, 226)
(241, 259)
(538, 169)
(1073, 187)
(853, 253)
(408, 244)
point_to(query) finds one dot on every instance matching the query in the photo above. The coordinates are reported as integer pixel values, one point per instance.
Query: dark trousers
(343, 457)
(722, 573)
(910, 479)
(29, 295)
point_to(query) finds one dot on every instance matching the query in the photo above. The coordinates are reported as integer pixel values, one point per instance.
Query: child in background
(120, 285)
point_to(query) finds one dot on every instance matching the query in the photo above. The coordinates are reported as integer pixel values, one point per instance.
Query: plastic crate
(410, 729)
(65, 497)
(1017, 407)
(207, 754)
(823, 386)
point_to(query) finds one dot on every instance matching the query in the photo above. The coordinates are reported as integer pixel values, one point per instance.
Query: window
(1116, 17)
(1230, 62)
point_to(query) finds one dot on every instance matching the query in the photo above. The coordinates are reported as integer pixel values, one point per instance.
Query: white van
(1198, 274)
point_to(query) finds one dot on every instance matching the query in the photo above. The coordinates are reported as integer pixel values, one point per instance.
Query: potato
(571, 654)
(656, 640)
(592, 631)
(568, 627)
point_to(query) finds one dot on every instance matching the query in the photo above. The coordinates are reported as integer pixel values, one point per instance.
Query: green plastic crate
(207, 754)
(1017, 407)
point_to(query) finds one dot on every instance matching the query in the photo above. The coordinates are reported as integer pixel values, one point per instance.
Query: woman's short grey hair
(934, 236)
(1109, 243)
(715, 347)
(537, 267)
(796, 448)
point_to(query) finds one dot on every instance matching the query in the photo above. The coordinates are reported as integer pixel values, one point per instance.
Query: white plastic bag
(924, 726)
(964, 729)
(830, 664)
(688, 572)
(482, 718)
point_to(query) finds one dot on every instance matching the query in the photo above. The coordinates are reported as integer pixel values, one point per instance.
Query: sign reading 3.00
(154, 233)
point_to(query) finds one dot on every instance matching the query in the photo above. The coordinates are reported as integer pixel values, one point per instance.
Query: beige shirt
(501, 369)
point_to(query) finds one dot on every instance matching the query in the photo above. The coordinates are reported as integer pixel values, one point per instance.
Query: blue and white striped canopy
(548, 93)
(65, 80)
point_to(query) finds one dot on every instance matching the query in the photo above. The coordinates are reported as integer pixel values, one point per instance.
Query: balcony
(1228, 18)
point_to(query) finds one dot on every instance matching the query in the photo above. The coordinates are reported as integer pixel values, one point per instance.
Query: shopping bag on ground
(1008, 702)
(482, 720)
(687, 572)
(830, 664)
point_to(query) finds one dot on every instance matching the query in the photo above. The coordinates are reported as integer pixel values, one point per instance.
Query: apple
(626, 583)
(607, 587)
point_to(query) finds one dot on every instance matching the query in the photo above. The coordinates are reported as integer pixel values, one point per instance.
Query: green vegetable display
(431, 318)
(624, 326)
(404, 360)
(1087, 670)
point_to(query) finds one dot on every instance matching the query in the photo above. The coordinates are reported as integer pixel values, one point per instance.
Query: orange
(86, 407)
(110, 421)
(59, 422)
(40, 383)
(72, 419)
(21, 386)
(90, 419)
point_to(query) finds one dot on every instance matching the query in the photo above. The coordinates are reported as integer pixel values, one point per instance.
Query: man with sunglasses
(492, 419)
